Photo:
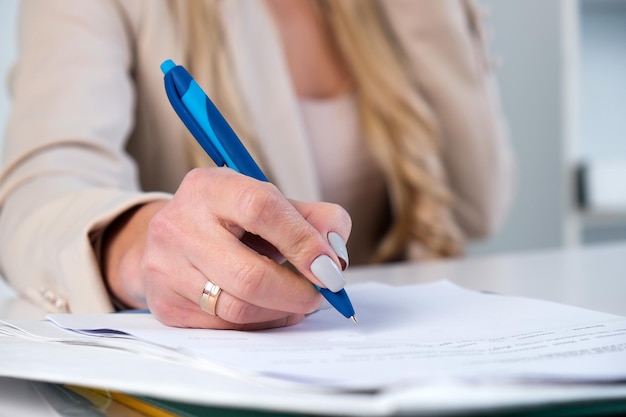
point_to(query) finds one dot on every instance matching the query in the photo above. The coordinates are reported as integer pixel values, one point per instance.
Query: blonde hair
(404, 141)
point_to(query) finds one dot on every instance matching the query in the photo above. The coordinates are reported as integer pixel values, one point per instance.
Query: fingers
(183, 312)
(188, 314)
(331, 221)
(179, 305)
(301, 237)
(233, 231)
(256, 279)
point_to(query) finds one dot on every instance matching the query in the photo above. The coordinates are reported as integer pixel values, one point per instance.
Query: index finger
(259, 208)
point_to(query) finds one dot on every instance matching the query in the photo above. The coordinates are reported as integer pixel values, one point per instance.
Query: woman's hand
(234, 231)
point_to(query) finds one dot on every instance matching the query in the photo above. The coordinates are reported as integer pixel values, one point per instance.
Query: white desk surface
(591, 277)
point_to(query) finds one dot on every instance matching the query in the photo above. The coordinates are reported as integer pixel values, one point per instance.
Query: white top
(347, 172)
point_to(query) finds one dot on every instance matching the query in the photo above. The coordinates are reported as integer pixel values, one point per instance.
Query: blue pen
(219, 141)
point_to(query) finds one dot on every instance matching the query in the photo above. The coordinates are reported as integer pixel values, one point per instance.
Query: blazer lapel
(262, 71)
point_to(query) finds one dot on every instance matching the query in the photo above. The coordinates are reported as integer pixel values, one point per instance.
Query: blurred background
(561, 68)
(563, 83)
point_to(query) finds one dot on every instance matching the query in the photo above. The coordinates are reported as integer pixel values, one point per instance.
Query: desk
(591, 277)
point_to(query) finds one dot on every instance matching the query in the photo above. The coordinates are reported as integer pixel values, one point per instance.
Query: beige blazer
(91, 132)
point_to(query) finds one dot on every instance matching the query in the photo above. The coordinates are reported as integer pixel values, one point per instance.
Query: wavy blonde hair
(405, 143)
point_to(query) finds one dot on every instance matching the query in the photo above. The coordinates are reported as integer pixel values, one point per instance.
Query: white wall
(603, 81)
(8, 11)
(602, 123)
(563, 87)
(530, 38)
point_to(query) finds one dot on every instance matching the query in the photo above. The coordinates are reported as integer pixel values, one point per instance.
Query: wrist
(123, 245)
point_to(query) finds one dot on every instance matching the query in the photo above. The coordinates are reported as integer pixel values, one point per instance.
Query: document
(406, 335)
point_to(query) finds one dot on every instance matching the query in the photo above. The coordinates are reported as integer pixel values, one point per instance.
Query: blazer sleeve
(444, 44)
(66, 174)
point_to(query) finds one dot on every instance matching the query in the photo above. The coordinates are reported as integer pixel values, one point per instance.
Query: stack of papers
(406, 336)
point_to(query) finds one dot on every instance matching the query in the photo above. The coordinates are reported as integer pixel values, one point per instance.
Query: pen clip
(192, 125)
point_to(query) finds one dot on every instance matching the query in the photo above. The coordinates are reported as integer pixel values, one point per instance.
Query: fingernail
(339, 246)
(328, 273)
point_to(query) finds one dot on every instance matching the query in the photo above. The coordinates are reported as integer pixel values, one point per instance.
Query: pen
(219, 141)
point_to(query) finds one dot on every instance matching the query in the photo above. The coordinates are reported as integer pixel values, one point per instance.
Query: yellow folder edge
(108, 402)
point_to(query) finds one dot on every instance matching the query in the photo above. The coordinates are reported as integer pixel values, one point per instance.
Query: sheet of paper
(412, 334)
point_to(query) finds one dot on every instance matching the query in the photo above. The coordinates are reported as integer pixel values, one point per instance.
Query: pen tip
(354, 319)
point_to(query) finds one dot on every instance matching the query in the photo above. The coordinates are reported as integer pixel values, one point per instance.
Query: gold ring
(208, 300)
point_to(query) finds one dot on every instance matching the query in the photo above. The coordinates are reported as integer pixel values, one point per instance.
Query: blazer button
(49, 296)
(61, 304)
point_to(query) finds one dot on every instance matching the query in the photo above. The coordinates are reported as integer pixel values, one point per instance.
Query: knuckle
(341, 216)
(256, 203)
(250, 279)
(200, 182)
(337, 216)
(239, 312)
(195, 176)
(304, 241)
(161, 228)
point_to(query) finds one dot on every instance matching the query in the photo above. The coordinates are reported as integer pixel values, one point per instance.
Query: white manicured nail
(328, 273)
(339, 246)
